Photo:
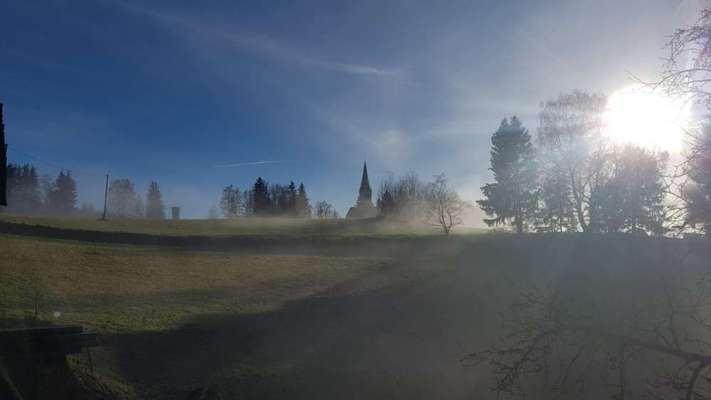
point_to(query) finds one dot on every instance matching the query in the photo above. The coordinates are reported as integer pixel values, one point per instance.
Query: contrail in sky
(252, 163)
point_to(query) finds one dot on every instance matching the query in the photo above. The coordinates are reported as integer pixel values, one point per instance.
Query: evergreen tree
(63, 197)
(513, 197)
(303, 208)
(23, 189)
(632, 200)
(260, 195)
(155, 209)
(291, 195)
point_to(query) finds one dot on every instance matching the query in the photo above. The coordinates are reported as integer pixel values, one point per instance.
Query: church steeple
(364, 207)
(365, 194)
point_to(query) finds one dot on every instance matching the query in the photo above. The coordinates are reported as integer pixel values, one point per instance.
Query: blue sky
(169, 90)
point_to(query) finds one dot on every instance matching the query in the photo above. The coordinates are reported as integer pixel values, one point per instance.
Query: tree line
(572, 178)
(264, 199)
(30, 193)
(638, 328)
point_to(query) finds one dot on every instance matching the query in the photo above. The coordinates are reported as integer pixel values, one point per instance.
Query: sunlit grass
(118, 288)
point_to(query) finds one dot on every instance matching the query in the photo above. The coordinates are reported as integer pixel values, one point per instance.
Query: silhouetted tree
(266, 200)
(687, 69)
(155, 209)
(23, 189)
(513, 197)
(696, 191)
(632, 199)
(573, 151)
(63, 197)
(403, 198)
(325, 210)
(556, 211)
(260, 195)
(291, 196)
(444, 208)
(386, 203)
(231, 202)
(303, 208)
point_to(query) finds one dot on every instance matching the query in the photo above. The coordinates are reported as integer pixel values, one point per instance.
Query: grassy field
(389, 318)
(118, 288)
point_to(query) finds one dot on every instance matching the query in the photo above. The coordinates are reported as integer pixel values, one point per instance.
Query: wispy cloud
(258, 44)
(252, 163)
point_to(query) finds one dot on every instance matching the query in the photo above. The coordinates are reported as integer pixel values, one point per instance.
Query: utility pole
(106, 197)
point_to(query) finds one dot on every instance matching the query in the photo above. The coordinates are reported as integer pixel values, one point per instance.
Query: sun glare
(648, 118)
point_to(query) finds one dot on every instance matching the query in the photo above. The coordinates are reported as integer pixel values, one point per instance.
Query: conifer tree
(632, 200)
(303, 208)
(291, 196)
(63, 197)
(260, 193)
(23, 189)
(512, 198)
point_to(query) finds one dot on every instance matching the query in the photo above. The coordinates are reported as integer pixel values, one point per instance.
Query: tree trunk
(578, 203)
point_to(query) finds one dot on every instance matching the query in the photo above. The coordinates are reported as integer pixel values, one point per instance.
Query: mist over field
(355, 200)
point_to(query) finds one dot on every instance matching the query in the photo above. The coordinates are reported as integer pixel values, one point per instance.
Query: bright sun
(638, 115)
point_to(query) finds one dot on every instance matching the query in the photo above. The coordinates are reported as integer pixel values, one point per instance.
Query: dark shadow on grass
(395, 342)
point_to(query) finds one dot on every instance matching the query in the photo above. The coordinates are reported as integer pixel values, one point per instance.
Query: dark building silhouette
(364, 207)
(3, 162)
